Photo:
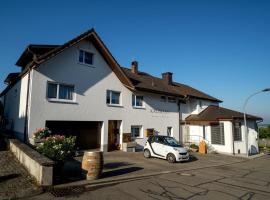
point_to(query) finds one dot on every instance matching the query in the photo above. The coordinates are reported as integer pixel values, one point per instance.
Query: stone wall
(39, 166)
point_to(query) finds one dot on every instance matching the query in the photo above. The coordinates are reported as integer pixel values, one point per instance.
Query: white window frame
(120, 98)
(135, 98)
(73, 100)
(83, 63)
(141, 131)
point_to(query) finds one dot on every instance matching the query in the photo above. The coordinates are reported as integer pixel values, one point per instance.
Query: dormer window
(85, 57)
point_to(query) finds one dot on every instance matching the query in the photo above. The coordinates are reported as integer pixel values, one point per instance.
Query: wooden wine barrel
(93, 163)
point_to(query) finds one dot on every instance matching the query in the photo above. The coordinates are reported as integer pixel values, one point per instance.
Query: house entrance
(114, 135)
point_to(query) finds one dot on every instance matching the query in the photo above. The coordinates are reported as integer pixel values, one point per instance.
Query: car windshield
(171, 142)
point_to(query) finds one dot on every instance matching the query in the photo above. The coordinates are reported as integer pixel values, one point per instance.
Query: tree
(264, 132)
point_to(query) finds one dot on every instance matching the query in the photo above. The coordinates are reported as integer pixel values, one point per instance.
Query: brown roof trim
(159, 92)
(216, 113)
(92, 35)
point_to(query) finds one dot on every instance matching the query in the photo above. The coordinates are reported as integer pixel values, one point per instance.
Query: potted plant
(58, 148)
(194, 147)
(39, 136)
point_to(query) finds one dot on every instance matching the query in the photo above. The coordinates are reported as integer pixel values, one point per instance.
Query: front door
(114, 135)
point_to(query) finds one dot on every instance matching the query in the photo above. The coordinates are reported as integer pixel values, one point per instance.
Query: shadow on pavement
(114, 165)
(118, 172)
(8, 177)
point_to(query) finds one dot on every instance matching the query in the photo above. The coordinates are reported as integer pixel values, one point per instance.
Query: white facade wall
(196, 135)
(91, 84)
(194, 106)
(15, 106)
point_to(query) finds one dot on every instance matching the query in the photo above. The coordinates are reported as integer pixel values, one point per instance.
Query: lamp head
(266, 90)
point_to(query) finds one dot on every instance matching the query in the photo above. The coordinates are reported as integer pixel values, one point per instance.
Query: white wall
(91, 84)
(193, 106)
(252, 139)
(15, 106)
(196, 135)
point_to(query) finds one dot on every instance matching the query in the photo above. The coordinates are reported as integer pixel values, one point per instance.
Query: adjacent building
(78, 88)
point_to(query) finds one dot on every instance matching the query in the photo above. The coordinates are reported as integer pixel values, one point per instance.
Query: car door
(157, 147)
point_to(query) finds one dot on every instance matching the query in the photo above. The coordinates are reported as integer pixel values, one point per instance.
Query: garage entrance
(88, 133)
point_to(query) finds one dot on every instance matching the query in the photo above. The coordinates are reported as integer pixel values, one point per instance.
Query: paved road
(249, 179)
(15, 181)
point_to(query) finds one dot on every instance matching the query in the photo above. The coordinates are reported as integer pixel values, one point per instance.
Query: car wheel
(147, 153)
(171, 158)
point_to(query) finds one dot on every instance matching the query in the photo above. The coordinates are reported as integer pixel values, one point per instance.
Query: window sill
(134, 138)
(115, 105)
(238, 141)
(87, 65)
(61, 101)
(138, 107)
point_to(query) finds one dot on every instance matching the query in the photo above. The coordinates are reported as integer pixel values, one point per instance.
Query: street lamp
(245, 120)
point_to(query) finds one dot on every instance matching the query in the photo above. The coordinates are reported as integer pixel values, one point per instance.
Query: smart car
(165, 147)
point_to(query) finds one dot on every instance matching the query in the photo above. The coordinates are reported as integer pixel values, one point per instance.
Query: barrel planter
(93, 163)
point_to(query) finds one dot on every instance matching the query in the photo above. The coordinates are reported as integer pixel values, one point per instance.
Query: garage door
(87, 133)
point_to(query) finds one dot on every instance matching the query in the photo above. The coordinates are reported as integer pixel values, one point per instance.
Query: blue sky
(219, 47)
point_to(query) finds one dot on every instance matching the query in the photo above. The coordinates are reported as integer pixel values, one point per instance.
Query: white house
(78, 88)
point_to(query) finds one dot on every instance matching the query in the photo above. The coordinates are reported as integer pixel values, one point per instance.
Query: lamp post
(245, 119)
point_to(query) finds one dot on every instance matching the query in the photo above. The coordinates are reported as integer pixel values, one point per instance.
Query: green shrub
(42, 133)
(58, 147)
(194, 146)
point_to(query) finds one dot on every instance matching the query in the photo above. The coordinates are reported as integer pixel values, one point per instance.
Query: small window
(217, 134)
(171, 99)
(163, 98)
(60, 91)
(237, 131)
(52, 90)
(137, 101)
(113, 97)
(136, 131)
(66, 92)
(169, 131)
(86, 57)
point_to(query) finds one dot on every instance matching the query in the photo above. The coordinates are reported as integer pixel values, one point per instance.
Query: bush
(42, 133)
(194, 146)
(264, 132)
(58, 147)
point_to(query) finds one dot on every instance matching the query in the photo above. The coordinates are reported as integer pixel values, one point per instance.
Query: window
(163, 99)
(169, 131)
(137, 101)
(171, 99)
(217, 134)
(200, 104)
(86, 57)
(113, 98)
(136, 131)
(60, 91)
(237, 131)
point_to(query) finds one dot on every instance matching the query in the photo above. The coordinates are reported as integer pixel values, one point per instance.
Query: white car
(165, 147)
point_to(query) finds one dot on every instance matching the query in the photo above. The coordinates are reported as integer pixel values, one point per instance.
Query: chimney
(134, 67)
(167, 76)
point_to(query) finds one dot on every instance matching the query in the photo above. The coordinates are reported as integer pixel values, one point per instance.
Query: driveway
(249, 179)
(119, 165)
